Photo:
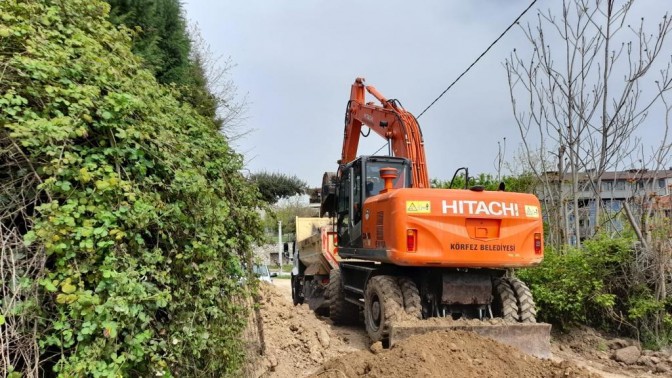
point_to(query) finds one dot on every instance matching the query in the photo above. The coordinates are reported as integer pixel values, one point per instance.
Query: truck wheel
(297, 291)
(340, 310)
(504, 304)
(526, 308)
(383, 301)
(411, 296)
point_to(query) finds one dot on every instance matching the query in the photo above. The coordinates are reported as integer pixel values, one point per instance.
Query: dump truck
(314, 258)
(406, 253)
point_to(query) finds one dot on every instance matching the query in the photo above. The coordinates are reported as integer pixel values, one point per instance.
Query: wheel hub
(375, 311)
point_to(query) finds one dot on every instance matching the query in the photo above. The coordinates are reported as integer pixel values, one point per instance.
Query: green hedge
(143, 215)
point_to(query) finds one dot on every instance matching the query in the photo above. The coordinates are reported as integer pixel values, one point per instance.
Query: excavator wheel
(526, 308)
(504, 304)
(411, 296)
(340, 310)
(383, 302)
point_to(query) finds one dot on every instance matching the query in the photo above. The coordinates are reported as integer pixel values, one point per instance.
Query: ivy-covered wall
(133, 198)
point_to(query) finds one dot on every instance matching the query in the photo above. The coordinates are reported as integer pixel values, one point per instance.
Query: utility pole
(280, 244)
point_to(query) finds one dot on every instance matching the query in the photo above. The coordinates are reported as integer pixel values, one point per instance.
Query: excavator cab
(358, 181)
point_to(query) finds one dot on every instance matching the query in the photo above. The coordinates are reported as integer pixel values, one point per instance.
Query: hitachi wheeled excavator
(407, 252)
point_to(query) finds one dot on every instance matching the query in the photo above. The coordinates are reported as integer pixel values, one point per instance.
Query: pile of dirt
(616, 355)
(298, 341)
(442, 353)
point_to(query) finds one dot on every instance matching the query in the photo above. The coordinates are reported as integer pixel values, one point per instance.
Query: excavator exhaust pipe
(530, 338)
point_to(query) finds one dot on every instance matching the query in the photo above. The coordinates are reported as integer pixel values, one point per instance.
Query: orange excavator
(407, 252)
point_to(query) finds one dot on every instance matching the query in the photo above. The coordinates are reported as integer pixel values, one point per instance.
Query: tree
(591, 80)
(646, 212)
(286, 212)
(275, 186)
(581, 95)
(213, 90)
(124, 218)
(161, 37)
(522, 183)
(179, 56)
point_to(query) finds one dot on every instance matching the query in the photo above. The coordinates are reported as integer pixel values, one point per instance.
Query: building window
(619, 185)
(661, 184)
(606, 186)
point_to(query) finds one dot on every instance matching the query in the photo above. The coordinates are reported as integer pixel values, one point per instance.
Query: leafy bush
(133, 197)
(570, 286)
(597, 286)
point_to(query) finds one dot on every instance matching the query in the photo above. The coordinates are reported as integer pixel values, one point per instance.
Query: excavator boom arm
(391, 122)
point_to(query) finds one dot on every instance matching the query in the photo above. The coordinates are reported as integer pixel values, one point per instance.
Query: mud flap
(531, 338)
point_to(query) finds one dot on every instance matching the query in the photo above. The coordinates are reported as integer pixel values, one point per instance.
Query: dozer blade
(531, 338)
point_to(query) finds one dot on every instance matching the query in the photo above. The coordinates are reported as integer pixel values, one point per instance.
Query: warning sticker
(418, 207)
(531, 211)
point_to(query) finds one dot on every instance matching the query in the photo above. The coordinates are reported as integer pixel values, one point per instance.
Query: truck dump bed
(315, 244)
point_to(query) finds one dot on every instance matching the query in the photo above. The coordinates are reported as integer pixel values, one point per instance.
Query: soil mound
(298, 341)
(592, 347)
(447, 353)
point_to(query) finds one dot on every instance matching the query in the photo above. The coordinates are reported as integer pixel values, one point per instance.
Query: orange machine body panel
(454, 228)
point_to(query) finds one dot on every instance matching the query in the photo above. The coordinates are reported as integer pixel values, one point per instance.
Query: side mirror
(274, 274)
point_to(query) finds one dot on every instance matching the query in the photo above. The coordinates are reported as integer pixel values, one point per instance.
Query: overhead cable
(480, 56)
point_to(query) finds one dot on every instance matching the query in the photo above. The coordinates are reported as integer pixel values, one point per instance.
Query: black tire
(322, 311)
(411, 297)
(383, 302)
(527, 310)
(505, 305)
(340, 310)
(297, 295)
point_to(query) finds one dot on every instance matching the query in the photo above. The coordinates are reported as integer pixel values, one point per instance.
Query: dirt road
(300, 343)
(284, 286)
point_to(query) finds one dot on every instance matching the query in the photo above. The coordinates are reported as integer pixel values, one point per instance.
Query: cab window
(374, 183)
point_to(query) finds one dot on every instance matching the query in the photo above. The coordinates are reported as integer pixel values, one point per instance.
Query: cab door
(349, 206)
(357, 201)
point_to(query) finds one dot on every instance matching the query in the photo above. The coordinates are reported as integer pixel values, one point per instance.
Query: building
(638, 186)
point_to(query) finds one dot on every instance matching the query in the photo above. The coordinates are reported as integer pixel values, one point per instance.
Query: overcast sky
(297, 59)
